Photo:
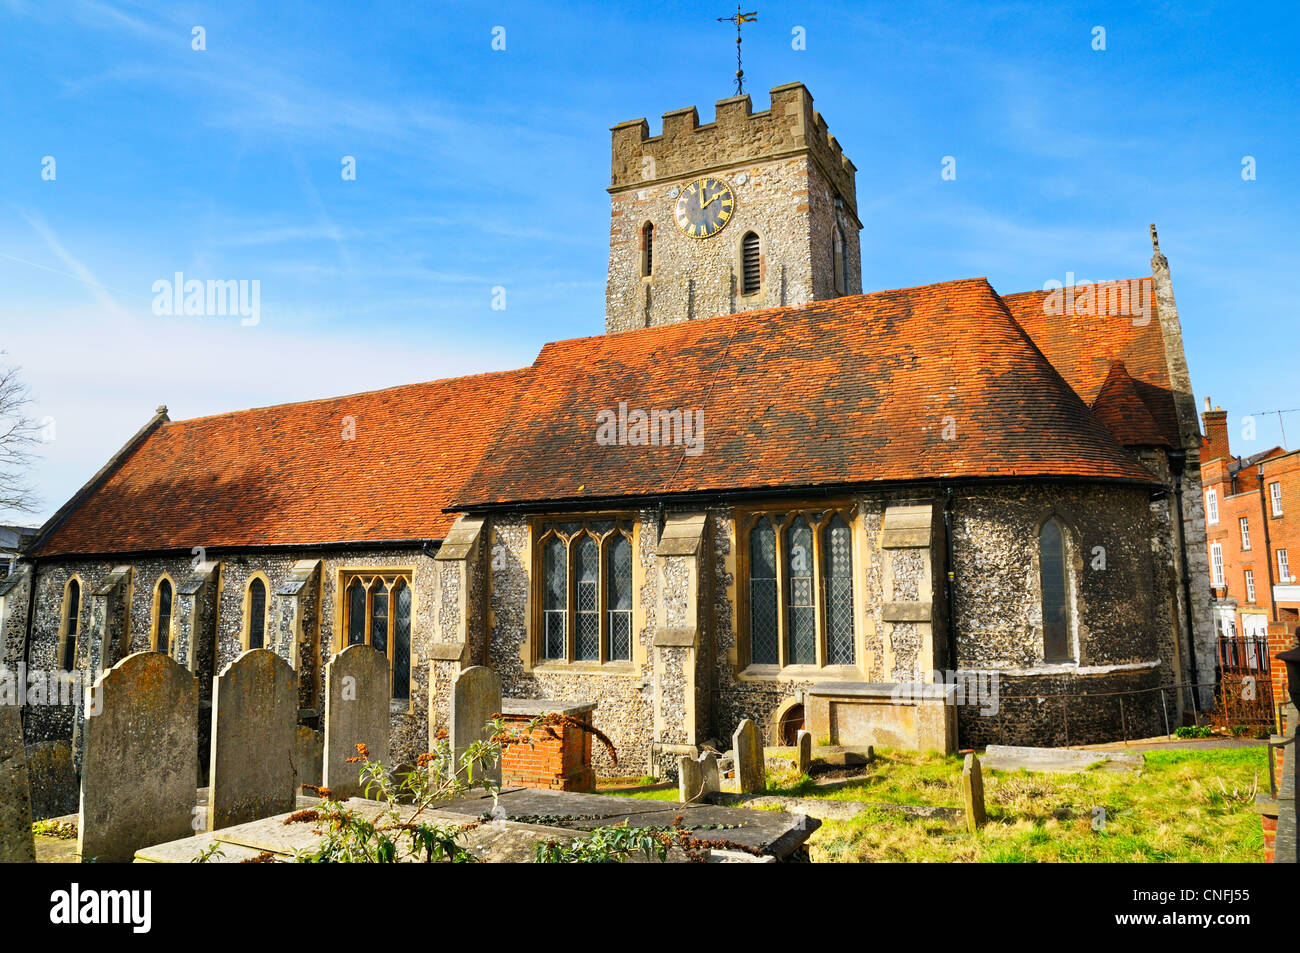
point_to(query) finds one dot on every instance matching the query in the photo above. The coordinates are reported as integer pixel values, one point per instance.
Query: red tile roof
(1083, 347)
(853, 390)
(858, 389)
(285, 475)
(1119, 407)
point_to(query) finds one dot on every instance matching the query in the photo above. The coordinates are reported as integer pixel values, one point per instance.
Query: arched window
(837, 242)
(257, 614)
(801, 613)
(618, 597)
(647, 249)
(71, 623)
(839, 592)
(162, 633)
(587, 580)
(1054, 576)
(401, 639)
(357, 613)
(751, 274)
(763, 643)
(379, 616)
(555, 603)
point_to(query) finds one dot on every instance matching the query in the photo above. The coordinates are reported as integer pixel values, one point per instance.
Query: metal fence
(1244, 695)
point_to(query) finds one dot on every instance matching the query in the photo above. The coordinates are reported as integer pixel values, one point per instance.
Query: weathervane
(738, 19)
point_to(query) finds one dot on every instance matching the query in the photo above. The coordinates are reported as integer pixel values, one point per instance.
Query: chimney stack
(1216, 432)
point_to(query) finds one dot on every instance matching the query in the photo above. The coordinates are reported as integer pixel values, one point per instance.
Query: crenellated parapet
(737, 135)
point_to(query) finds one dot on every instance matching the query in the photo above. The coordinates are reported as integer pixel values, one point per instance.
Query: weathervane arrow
(739, 18)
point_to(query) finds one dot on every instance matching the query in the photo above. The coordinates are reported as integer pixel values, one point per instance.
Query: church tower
(752, 210)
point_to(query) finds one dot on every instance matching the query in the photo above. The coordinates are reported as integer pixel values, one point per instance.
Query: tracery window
(377, 611)
(799, 591)
(585, 580)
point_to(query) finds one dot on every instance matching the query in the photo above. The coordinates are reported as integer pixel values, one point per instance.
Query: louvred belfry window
(799, 588)
(586, 590)
(378, 610)
(647, 250)
(750, 264)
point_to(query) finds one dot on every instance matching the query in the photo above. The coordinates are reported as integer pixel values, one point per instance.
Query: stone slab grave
(254, 736)
(16, 844)
(751, 771)
(356, 712)
(1014, 758)
(523, 817)
(475, 698)
(140, 766)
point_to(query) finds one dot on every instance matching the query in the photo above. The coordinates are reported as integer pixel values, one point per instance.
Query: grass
(1185, 806)
(63, 830)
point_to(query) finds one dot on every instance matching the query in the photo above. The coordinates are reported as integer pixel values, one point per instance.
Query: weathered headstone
(972, 787)
(804, 744)
(475, 698)
(309, 757)
(697, 778)
(356, 712)
(140, 764)
(254, 733)
(16, 846)
(751, 770)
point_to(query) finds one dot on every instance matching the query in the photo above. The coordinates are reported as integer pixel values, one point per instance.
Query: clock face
(704, 207)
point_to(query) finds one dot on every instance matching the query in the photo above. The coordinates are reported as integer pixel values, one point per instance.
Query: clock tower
(752, 210)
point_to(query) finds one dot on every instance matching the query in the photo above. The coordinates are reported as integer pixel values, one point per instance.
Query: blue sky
(478, 168)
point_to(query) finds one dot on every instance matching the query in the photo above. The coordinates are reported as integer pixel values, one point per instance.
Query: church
(929, 517)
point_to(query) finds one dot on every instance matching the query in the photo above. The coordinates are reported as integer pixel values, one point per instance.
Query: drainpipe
(1268, 546)
(1177, 461)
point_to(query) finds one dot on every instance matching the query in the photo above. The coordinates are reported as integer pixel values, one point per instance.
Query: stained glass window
(587, 579)
(162, 636)
(1051, 560)
(839, 592)
(356, 613)
(555, 598)
(256, 614)
(401, 640)
(762, 594)
(379, 616)
(801, 612)
(619, 598)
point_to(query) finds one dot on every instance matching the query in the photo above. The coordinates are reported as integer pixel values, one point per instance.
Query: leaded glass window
(71, 622)
(619, 598)
(839, 592)
(800, 587)
(401, 640)
(1052, 571)
(256, 614)
(763, 636)
(162, 634)
(586, 590)
(555, 600)
(801, 612)
(587, 580)
(379, 616)
(357, 613)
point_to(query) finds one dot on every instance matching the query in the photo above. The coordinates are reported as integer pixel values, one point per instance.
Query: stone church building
(760, 493)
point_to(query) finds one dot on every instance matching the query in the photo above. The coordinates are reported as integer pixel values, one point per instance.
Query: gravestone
(140, 765)
(475, 698)
(356, 712)
(254, 733)
(751, 770)
(16, 846)
(804, 745)
(697, 778)
(308, 759)
(972, 787)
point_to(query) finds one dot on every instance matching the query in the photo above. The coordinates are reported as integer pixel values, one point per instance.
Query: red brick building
(1252, 522)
